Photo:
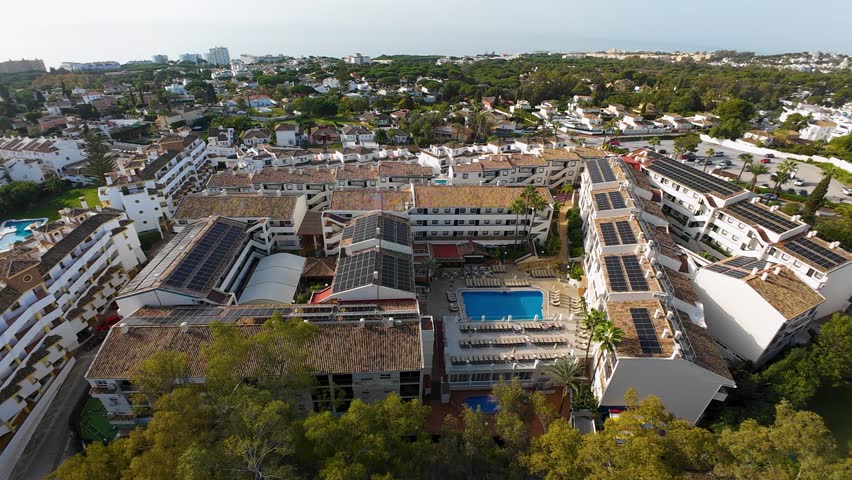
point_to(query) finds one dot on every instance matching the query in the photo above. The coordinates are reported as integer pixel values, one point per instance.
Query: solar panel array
(738, 267)
(609, 200)
(600, 170)
(392, 230)
(198, 267)
(155, 268)
(395, 271)
(625, 274)
(693, 178)
(815, 253)
(757, 215)
(648, 340)
(617, 233)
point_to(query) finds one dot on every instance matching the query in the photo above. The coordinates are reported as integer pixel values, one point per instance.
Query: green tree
(430, 265)
(735, 109)
(687, 143)
(709, 153)
(608, 337)
(837, 227)
(99, 162)
(654, 142)
(756, 169)
(518, 208)
(555, 455)
(795, 121)
(590, 322)
(160, 373)
(783, 174)
(566, 373)
(748, 160)
(817, 198)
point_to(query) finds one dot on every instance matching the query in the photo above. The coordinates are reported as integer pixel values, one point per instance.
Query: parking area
(810, 174)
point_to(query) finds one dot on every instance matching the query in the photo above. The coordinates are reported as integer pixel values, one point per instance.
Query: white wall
(751, 148)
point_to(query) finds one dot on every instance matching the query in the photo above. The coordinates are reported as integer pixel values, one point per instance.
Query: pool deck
(438, 306)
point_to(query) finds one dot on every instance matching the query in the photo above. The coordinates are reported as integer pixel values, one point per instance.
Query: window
(446, 210)
(409, 377)
(487, 210)
(434, 222)
(447, 222)
(486, 222)
(464, 175)
(797, 264)
(27, 278)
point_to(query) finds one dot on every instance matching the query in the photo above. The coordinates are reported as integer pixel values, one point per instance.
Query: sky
(92, 30)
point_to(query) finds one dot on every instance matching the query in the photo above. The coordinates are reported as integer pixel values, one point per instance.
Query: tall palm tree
(608, 337)
(756, 169)
(654, 142)
(782, 173)
(517, 207)
(567, 188)
(709, 153)
(566, 373)
(431, 267)
(748, 160)
(535, 204)
(590, 323)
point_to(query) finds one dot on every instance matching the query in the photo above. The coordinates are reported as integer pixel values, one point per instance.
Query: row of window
(489, 377)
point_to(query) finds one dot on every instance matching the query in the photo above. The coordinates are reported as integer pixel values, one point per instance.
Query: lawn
(833, 406)
(94, 424)
(49, 206)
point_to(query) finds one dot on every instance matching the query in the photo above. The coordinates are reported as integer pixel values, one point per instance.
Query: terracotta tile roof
(293, 175)
(229, 179)
(682, 286)
(468, 167)
(72, 240)
(236, 205)
(429, 196)
(369, 200)
(402, 169)
(590, 152)
(559, 154)
(526, 160)
(784, 291)
(619, 314)
(336, 348)
(319, 267)
(706, 352)
(357, 172)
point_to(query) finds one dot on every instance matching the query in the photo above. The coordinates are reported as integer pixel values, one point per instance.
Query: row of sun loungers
(484, 282)
(554, 298)
(498, 326)
(542, 273)
(499, 268)
(517, 283)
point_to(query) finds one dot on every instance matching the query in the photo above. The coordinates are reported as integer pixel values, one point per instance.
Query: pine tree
(817, 198)
(97, 152)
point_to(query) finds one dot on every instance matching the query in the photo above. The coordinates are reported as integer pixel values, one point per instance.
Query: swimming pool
(495, 305)
(483, 403)
(15, 231)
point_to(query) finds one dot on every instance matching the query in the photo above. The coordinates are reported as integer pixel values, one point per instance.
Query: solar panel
(757, 215)
(602, 201)
(736, 273)
(609, 235)
(648, 341)
(739, 261)
(635, 274)
(617, 200)
(199, 266)
(717, 268)
(600, 171)
(815, 253)
(692, 178)
(625, 232)
(617, 281)
(594, 172)
(355, 271)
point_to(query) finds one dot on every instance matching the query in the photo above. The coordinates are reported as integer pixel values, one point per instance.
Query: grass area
(94, 424)
(341, 119)
(832, 404)
(49, 206)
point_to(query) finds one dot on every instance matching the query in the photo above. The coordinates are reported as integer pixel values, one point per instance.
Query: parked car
(764, 185)
(718, 154)
(770, 155)
(615, 143)
(791, 191)
(799, 182)
(803, 192)
(662, 150)
(769, 197)
(725, 163)
(688, 156)
(847, 190)
(765, 161)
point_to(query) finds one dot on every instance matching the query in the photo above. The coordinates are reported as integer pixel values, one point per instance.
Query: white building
(148, 187)
(357, 59)
(53, 153)
(218, 56)
(221, 142)
(818, 130)
(90, 67)
(287, 135)
(189, 57)
(353, 135)
(53, 285)
(160, 59)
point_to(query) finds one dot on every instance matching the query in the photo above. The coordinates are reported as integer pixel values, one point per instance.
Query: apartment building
(204, 264)
(754, 308)
(54, 286)
(55, 154)
(353, 135)
(514, 169)
(666, 349)
(221, 142)
(149, 186)
(399, 174)
(348, 204)
(347, 355)
(278, 216)
(316, 183)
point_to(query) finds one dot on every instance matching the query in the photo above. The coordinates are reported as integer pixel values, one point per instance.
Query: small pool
(16, 231)
(483, 403)
(520, 304)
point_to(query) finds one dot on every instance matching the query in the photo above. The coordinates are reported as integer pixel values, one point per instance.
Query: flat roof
(236, 205)
(466, 196)
(692, 178)
(756, 214)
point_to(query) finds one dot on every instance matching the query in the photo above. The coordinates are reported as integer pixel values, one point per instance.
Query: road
(811, 174)
(53, 440)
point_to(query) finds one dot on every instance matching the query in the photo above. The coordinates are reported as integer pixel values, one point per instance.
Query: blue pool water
(521, 305)
(484, 403)
(20, 233)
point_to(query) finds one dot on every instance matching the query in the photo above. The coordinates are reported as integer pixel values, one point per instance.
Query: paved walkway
(564, 247)
(53, 440)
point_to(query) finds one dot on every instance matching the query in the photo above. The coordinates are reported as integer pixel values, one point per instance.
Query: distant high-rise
(18, 66)
(160, 59)
(189, 57)
(218, 56)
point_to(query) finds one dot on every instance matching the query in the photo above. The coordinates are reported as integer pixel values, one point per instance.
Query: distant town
(556, 248)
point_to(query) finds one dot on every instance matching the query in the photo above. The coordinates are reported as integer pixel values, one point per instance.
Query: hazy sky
(88, 30)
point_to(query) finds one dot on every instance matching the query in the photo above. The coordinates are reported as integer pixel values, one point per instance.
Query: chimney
(184, 327)
(362, 322)
(833, 245)
(754, 271)
(83, 203)
(657, 313)
(764, 276)
(796, 218)
(777, 271)
(773, 208)
(754, 199)
(666, 333)
(125, 328)
(647, 273)
(811, 234)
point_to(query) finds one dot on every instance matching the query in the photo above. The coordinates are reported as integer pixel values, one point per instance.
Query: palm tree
(748, 160)
(517, 207)
(654, 142)
(709, 153)
(782, 173)
(756, 169)
(431, 267)
(590, 322)
(535, 203)
(566, 373)
(608, 337)
(567, 188)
